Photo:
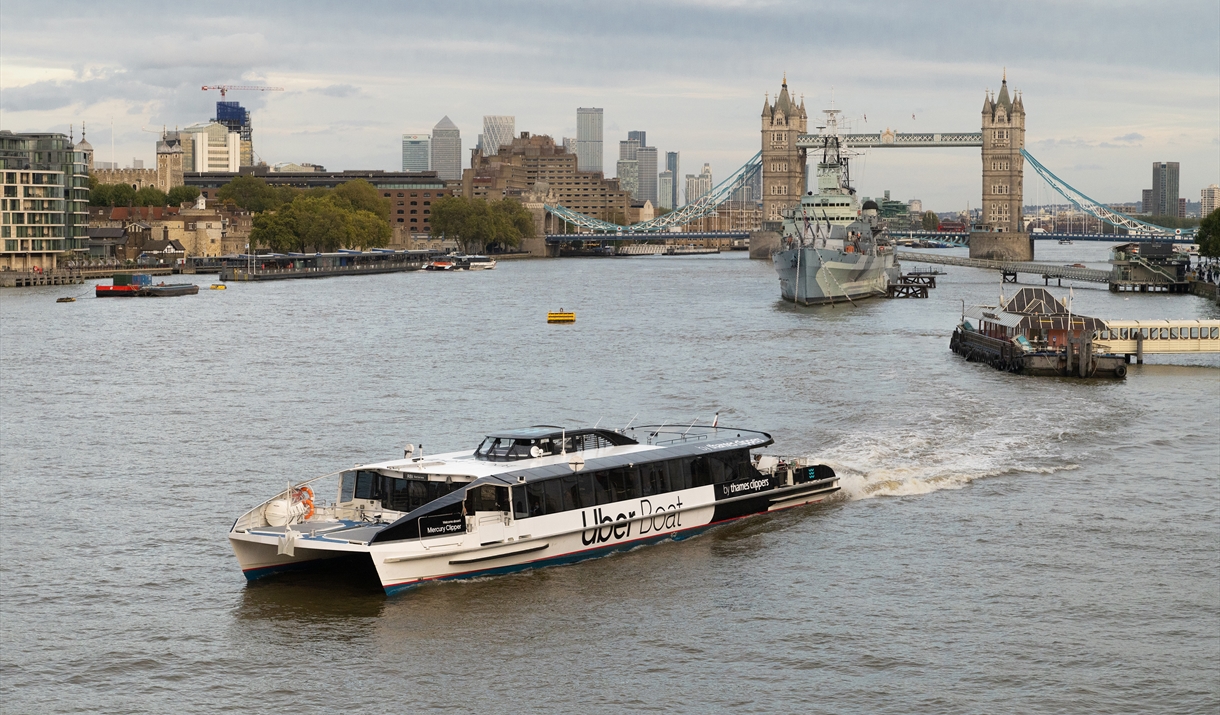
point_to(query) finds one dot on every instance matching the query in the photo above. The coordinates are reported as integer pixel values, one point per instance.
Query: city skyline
(1098, 115)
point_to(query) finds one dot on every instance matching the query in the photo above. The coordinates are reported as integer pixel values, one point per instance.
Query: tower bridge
(782, 164)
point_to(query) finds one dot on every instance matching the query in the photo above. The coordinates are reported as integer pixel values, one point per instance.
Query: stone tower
(1003, 139)
(783, 164)
(169, 160)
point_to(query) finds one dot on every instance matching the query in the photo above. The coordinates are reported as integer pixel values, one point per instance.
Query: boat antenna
(692, 424)
(599, 421)
(629, 423)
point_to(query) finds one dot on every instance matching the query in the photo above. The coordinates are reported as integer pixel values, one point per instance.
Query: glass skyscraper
(671, 165)
(589, 139)
(498, 130)
(646, 157)
(416, 152)
(447, 150)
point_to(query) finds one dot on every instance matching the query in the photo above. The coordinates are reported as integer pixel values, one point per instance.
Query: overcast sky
(1109, 87)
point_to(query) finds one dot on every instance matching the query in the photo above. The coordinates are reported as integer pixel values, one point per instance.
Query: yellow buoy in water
(65, 299)
(219, 286)
(560, 317)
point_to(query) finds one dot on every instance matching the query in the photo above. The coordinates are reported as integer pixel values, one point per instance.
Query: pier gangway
(1046, 270)
(1143, 337)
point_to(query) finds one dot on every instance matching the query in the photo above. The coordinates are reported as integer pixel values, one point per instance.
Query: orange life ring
(300, 496)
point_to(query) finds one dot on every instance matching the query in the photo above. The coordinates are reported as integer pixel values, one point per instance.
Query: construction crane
(224, 88)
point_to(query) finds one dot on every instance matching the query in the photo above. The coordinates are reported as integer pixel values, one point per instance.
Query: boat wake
(909, 464)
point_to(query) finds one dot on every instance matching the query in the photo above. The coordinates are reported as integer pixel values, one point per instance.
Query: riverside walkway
(1046, 270)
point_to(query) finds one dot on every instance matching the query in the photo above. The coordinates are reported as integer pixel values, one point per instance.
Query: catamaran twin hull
(527, 511)
(810, 276)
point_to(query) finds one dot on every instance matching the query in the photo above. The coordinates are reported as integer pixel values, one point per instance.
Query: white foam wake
(910, 463)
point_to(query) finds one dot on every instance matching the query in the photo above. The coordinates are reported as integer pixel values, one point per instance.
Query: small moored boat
(524, 498)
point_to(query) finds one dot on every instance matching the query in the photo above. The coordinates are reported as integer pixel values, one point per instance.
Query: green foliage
(100, 194)
(122, 195)
(929, 221)
(1170, 221)
(360, 195)
(366, 229)
(182, 194)
(317, 221)
(254, 194)
(151, 196)
(275, 230)
(477, 224)
(1208, 236)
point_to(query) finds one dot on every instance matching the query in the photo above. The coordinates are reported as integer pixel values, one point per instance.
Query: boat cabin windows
(486, 497)
(394, 493)
(506, 448)
(588, 489)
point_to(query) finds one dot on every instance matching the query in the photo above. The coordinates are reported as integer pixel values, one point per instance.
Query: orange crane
(224, 88)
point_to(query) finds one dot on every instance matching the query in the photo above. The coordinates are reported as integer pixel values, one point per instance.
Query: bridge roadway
(1046, 270)
(554, 238)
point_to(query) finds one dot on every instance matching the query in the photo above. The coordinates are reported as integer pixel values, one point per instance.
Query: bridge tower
(1003, 140)
(783, 163)
(1003, 236)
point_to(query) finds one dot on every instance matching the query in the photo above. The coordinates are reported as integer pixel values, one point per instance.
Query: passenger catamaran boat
(832, 249)
(524, 498)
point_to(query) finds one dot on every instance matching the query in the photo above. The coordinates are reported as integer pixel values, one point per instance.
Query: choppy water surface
(1004, 543)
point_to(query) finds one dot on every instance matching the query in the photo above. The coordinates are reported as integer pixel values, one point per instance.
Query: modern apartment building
(210, 146)
(1165, 188)
(447, 150)
(236, 118)
(665, 189)
(498, 130)
(1209, 200)
(589, 138)
(646, 160)
(628, 173)
(416, 152)
(45, 192)
(698, 186)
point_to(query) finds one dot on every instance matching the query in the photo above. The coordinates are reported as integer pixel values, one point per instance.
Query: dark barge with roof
(1033, 333)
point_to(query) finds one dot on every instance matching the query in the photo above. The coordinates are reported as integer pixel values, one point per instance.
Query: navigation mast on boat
(833, 249)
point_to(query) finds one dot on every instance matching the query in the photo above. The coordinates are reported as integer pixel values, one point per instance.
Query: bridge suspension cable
(1095, 208)
(697, 209)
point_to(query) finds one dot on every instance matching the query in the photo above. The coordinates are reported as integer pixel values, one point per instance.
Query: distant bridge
(636, 236)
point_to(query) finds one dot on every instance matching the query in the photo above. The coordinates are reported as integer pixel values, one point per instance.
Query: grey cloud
(1132, 137)
(338, 90)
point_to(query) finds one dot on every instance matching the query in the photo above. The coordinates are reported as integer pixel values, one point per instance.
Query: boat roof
(672, 444)
(553, 431)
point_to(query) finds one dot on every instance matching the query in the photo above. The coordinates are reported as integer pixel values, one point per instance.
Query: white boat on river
(524, 498)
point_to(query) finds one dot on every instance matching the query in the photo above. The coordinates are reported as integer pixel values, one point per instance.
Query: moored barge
(1033, 333)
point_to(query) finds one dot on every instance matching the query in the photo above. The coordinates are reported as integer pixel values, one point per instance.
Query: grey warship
(833, 249)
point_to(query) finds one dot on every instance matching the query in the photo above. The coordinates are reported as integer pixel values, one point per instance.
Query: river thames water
(1003, 543)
